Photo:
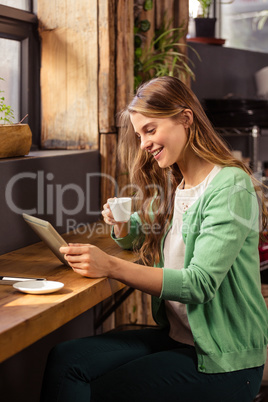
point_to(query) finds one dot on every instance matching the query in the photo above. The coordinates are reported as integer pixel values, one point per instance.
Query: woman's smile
(157, 152)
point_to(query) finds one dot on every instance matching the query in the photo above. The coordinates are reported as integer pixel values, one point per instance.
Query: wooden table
(26, 318)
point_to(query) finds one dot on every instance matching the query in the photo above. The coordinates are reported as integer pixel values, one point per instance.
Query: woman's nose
(146, 143)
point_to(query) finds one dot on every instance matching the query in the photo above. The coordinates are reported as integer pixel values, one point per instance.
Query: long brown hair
(166, 97)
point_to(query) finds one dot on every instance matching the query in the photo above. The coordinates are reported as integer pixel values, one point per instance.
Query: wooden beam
(124, 62)
(164, 9)
(106, 29)
(136, 309)
(108, 148)
(181, 11)
(69, 73)
(124, 53)
(150, 16)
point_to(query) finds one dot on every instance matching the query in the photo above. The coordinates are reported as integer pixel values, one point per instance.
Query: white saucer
(38, 287)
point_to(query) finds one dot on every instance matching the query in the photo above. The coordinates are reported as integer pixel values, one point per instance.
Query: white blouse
(174, 250)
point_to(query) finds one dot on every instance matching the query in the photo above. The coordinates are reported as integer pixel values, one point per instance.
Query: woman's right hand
(107, 214)
(121, 229)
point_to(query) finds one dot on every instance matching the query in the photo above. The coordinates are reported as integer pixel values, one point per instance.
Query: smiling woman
(194, 266)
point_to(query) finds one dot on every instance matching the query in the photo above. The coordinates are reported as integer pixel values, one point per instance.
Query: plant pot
(15, 140)
(205, 27)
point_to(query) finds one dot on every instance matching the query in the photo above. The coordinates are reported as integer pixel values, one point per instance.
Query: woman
(196, 229)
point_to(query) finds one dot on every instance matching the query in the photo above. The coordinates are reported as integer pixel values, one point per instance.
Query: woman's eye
(150, 131)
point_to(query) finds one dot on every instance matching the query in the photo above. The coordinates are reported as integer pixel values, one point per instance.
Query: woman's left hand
(87, 260)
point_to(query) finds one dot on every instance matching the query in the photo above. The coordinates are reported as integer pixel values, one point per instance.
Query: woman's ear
(187, 118)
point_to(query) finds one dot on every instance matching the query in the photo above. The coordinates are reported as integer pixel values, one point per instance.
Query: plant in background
(6, 113)
(163, 56)
(140, 27)
(262, 17)
(15, 138)
(205, 7)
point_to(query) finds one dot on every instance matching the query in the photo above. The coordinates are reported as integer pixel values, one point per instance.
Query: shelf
(238, 131)
(209, 41)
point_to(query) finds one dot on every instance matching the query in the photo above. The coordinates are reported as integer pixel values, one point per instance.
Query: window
(242, 23)
(21, 4)
(245, 24)
(10, 72)
(20, 61)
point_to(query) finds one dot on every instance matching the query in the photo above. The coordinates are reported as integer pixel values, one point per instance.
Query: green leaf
(145, 25)
(137, 81)
(138, 66)
(148, 5)
(138, 52)
(163, 56)
(137, 41)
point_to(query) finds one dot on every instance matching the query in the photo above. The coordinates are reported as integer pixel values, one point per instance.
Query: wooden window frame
(22, 26)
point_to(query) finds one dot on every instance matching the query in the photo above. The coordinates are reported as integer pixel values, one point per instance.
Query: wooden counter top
(26, 318)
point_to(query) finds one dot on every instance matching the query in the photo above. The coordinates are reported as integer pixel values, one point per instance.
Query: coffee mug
(121, 208)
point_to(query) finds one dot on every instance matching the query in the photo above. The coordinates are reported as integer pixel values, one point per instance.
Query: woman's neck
(194, 171)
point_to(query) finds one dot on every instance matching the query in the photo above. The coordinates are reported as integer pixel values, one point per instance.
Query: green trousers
(136, 366)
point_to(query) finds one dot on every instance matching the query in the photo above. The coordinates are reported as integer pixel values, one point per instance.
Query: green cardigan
(220, 281)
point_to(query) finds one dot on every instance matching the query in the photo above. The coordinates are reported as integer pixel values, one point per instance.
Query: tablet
(48, 234)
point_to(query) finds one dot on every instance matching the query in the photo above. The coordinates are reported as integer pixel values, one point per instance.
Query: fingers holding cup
(107, 214)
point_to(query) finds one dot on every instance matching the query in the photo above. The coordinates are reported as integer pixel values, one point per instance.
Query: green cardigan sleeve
(135, 233)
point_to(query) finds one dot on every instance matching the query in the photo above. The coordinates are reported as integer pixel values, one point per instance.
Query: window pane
(245, 24)
(35, 6)
(21, 4)
(10, 72)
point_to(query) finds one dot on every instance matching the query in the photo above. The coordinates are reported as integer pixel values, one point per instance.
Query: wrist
(112, 267)
(121, 229)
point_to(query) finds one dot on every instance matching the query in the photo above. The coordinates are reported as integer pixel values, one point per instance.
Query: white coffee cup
(121, 208)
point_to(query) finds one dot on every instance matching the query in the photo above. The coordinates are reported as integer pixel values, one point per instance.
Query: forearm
(146, 279)
(91, 261)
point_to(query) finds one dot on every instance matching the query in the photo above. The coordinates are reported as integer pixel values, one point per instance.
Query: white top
(174, 250)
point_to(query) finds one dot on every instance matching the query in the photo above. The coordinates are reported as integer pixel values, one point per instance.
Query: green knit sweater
(220, 281)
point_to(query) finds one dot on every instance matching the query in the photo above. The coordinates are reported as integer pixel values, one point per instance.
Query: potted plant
(15, 138)
(204, 24)
(162, 56)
